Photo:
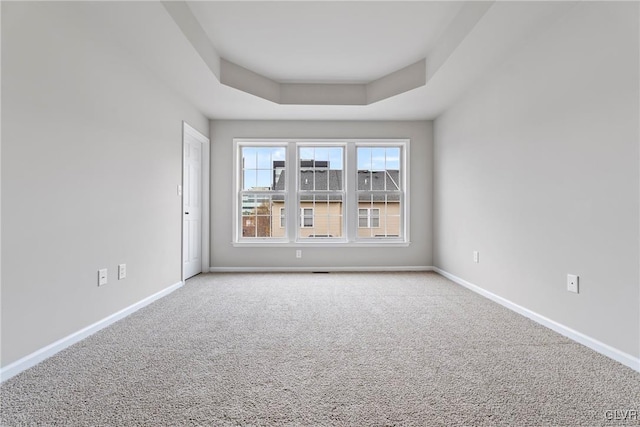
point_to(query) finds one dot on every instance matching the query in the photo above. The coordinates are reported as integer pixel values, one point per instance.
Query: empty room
(365, 213)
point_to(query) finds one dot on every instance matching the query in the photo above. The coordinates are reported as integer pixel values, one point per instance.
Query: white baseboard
(48, 351)
(319, 269)
(598, 346)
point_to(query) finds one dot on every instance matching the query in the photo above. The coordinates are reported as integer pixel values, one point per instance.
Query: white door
(191, 207)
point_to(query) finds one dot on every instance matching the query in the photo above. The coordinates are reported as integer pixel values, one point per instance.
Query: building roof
(376, 180)
(321, 180)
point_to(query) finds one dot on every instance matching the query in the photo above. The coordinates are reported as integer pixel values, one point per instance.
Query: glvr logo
(621, 415)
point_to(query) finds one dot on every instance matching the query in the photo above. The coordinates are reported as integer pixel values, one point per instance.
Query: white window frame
(239, 192)
(402, 192)
(283, 217)
(350, 212)
(300, 144)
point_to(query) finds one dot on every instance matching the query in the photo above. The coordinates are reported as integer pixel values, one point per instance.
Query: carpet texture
(363, 349)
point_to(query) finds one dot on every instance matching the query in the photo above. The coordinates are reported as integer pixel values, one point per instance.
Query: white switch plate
(476, 257)
(179, 190)
(122, 271)
(102, 277)
(298, 253)
(572, 283)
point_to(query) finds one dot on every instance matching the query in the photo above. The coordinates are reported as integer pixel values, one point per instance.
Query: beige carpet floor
(361, 349)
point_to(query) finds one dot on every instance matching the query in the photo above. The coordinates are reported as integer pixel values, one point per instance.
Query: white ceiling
(322, 42)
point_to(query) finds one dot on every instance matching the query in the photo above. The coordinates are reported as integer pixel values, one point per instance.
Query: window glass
(321, 169)
(306, 217)
(262, 203)
(378, 168)
(321, 190)
(262, 167)
(325, 216)
(258, 210)
(379, 192)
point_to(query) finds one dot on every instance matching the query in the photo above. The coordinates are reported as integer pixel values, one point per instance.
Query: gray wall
(538, 169)
(91, 146)
(224, 255)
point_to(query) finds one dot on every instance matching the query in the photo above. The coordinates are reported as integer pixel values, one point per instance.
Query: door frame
(188, 130)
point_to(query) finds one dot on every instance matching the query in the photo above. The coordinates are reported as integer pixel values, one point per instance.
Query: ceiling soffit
(406, 79)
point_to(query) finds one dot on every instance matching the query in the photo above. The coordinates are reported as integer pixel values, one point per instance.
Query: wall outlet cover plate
(572, 283)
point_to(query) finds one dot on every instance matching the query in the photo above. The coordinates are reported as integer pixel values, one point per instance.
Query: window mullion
(351, 194)
(292, 201)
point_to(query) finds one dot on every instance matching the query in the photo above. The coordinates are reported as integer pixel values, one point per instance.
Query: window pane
(263, 225)
(378, 162)
(306, 217)
(391, 216)
(321, 180)
(262, 215)
(267, 155)
(249, 158)
(365, 202)
(250, 179)
(263, 168)
(321, 169)
(265, 179)
(335, 158)
(393, 158)
(364, 180)
(334, 226)
(306, 153)
(379, 215)
(248, 226)
(375, 218)
(378, 168)
(364, 158)
(326, 213)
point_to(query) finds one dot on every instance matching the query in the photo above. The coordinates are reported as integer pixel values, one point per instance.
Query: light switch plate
(122, 271)
(102, 276)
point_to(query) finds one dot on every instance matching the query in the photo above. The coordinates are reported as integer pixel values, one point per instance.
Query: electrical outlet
(476, 257)
(572, 283)
(102, 277)
(298, 253)
(122, 271)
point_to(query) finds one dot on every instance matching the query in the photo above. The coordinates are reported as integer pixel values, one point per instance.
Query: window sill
(342, 244)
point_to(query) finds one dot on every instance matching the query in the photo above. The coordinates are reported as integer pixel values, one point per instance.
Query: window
(369, 218)
(379, 191)
(321, 191)
(337, 192)
(261, 168)
(306, 217)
